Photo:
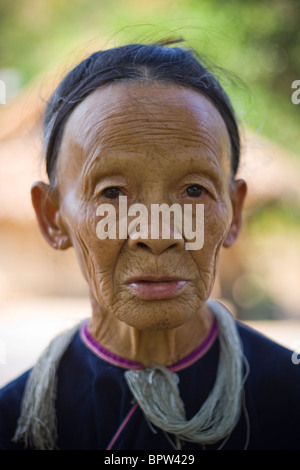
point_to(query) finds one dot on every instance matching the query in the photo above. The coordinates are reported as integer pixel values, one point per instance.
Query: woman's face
(154, 144)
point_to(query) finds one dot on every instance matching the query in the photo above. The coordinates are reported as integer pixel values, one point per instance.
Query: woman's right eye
(112, 192)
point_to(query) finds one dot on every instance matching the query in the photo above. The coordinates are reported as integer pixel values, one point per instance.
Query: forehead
(135, 115)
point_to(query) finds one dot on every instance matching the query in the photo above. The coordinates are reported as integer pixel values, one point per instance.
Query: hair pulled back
(134, 62)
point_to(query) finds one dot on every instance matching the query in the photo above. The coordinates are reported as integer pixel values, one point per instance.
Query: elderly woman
(158, 365)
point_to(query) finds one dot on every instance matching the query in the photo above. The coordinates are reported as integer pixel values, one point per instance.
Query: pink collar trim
(119, 361)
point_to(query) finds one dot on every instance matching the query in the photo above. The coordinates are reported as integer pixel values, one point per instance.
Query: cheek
(217, 221)
(97, 258)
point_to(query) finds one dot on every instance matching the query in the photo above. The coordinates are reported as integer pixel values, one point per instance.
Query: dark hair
(129, 63)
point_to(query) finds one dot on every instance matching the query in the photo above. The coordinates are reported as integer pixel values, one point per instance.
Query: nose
(156, 246)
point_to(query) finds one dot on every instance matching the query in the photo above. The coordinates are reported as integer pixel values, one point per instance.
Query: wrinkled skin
(150, 142)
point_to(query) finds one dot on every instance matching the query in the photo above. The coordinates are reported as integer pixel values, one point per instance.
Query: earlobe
(238, 195)
(45, 202)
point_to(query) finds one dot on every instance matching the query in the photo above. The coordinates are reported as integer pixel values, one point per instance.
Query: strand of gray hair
(37, 427)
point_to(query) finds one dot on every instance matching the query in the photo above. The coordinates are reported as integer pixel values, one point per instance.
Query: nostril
(142, 245)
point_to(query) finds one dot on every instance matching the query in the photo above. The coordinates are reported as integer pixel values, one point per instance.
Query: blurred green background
(259, 41)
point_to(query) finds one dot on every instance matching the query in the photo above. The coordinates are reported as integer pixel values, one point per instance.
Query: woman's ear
(238, 194)
(46, 206)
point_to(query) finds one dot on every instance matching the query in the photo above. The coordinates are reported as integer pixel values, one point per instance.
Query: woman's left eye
(112, 193)
(195, 190)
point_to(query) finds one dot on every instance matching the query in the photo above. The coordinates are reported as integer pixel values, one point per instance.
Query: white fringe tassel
(37, 422)
(156, 391)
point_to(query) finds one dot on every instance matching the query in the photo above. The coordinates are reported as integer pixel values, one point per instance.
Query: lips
(156, 287)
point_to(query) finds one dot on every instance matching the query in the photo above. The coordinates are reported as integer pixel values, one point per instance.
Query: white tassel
(157, 393)
(37, 422)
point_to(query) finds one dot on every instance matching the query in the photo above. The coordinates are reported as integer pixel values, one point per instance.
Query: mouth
(156, 287)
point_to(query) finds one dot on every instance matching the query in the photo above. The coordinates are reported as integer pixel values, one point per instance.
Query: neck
(162, 347)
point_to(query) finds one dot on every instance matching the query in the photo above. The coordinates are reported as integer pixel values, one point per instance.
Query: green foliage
(257, 41)
(276, 217)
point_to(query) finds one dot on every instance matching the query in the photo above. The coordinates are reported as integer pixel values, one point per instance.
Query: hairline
(147, 81)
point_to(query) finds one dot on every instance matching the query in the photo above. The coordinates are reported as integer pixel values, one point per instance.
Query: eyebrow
(93, 170)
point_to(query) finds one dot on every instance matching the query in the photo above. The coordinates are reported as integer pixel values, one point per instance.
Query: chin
(156, 316)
